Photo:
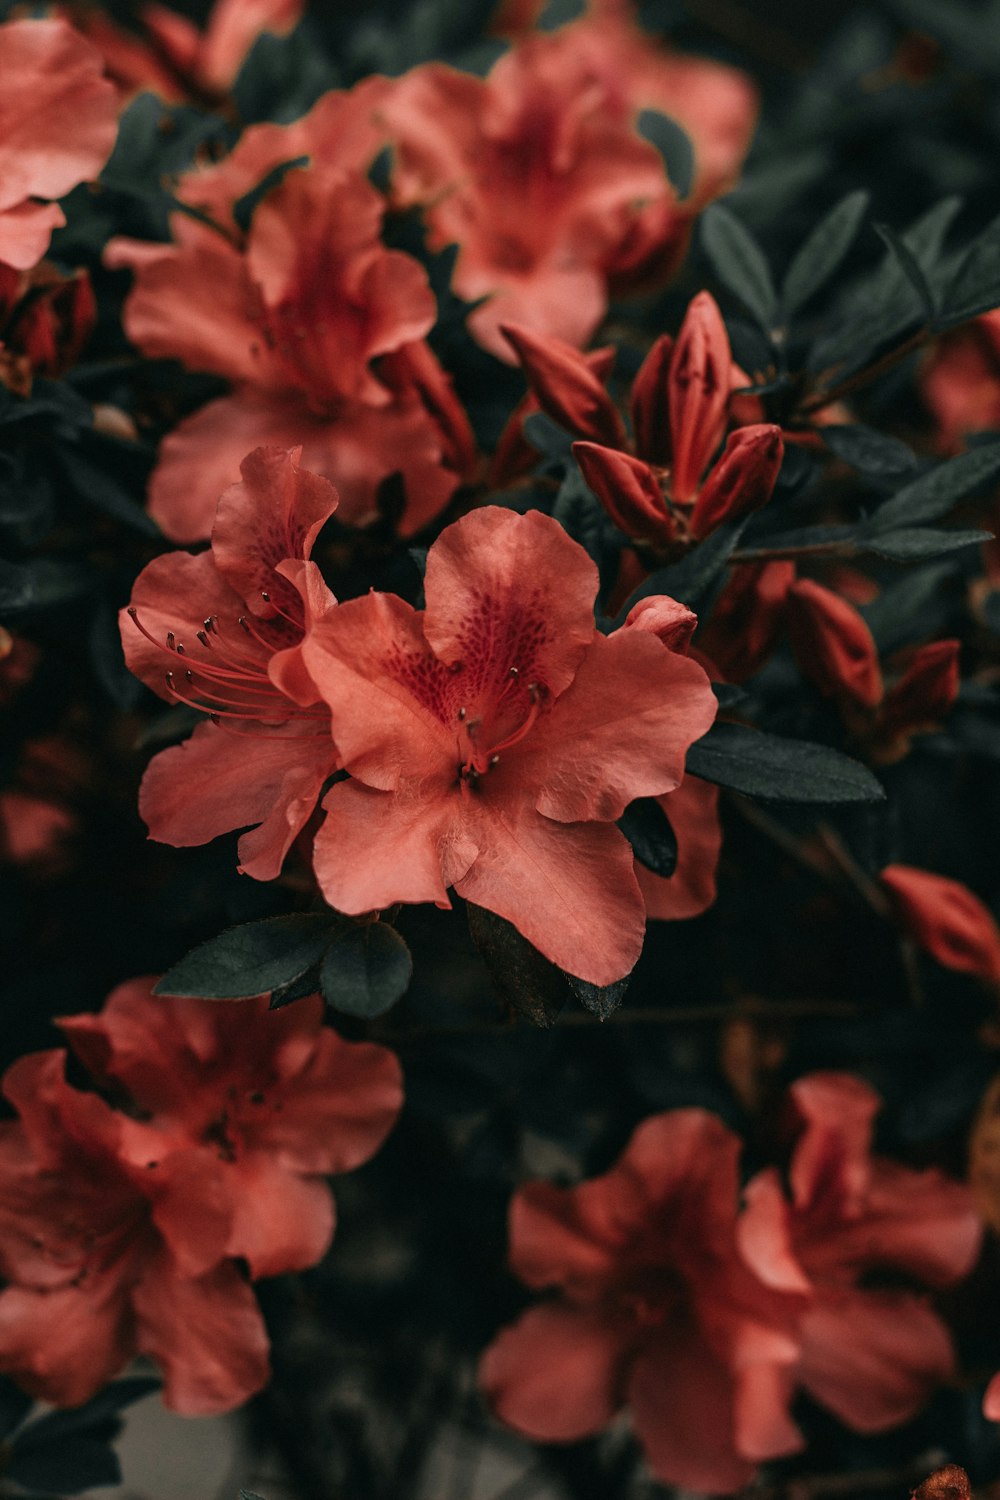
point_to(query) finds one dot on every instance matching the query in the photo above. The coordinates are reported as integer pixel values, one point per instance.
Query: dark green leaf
(780, 770)
(648, 830)
(41, 583)
(522, 978)
(64, 1468)
(975, 286)
(918, 603)
(911, 269)
(253, 959)
(693, 579)
(296, 989)
(366, 970)
(932, 495)
(599, 999)
(673, 144)
(739, 263)
(14, 1406)
(547, 436)
(96, 1412)
(869, 451)
(908, 544)
(823, 251)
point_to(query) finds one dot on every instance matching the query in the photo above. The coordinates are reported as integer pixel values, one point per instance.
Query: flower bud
(742, 480)
(832, 644)
(698, 393)
(922, 697)
(945, 918)
(567, 388)
(628, 490)
(649, 404)
(672, 622)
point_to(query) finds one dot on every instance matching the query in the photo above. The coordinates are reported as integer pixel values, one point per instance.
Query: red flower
(667, 492)
(223, 631)
(872, 1355)
(494, 738)
(319, 327)
(536, 173)
(262, 1104)
(961, 381)
(654, 1309)
(833, 645)
(947, 919)
(58, 121)
(106, 1259)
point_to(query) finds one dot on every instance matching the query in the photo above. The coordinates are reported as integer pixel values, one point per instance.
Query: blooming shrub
(498, 587)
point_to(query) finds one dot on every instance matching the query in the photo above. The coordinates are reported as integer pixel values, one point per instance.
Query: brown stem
(809, 549)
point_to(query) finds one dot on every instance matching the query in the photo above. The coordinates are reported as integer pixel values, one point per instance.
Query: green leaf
(674, 145)
(599, 999)
(66, 1468)
(648, 830)
(739, 263)
(253, 959)
(522, 977)
(823, 251)
(776, 769)
(911, 269)
(366, 970)
(869, 451)
(692, 580)
(910, 543)
(932, 495)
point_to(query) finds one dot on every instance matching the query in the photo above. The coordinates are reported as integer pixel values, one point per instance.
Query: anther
(514, 672)
(203, 637)
(243, 625)
(461, 714)
(189, 674)
(180, 648)
(265, 596)
(494, 760)
(170, 640)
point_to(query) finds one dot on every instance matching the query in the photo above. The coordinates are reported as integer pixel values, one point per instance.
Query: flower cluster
(704, 1320)
(134, 1227)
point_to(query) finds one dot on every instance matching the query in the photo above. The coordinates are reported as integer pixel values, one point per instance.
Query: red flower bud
(649, 404)
(515, 456)
(832, 644)
(628, 490)
(740, 634)
(567, 388)
(698, 393)
(923, 695)
(742, 480)
(944, 917)
(670, 621)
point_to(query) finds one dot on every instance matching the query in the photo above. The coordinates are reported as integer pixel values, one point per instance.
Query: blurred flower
(106, 1259)
(58, 121)
(266, 1102)
(222, 632)
(654, 1309)
(317, 325)
(947, 919)
(871, 1354)
(960, 381)
(172, 57)
(537, 174)
(493, 738)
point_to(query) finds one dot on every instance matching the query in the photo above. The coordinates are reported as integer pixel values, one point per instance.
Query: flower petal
(692, 810)
(554, 1374)
(64, 1345)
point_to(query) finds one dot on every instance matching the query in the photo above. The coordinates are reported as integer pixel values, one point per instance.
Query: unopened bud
(649, 403)
(672, 622)
(628, 489)
(832, 644)
(698, 393)
(945, 918)
(742, 480)
(567, 388)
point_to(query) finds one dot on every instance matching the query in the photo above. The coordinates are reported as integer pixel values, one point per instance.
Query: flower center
(498, 727)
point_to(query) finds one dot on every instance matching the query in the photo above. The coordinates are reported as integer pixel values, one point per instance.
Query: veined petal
(620, 732)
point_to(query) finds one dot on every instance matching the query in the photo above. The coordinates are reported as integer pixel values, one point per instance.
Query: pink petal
(510, 589)
(25, 231)
(874, 1358)
(568, 888)
(375, 848)
(218, 781)
(764, 1234)
(206, 1334)
(280, 1222)
(692, 810)
(554, 1374)
(64, 1345)
(356, 449)
(620, 731)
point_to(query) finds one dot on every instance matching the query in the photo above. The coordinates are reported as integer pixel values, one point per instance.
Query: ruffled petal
(692, 810)
(64, 1345)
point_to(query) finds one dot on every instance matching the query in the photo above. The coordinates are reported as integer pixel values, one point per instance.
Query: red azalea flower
(667, 491)
(961, 381)
(871, 1354)
(494, 738)
(266, 1102)
(58, 121)
(536, 172)
(654, 1309)
(105, 1258)
(319, 327)
(222, 631)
